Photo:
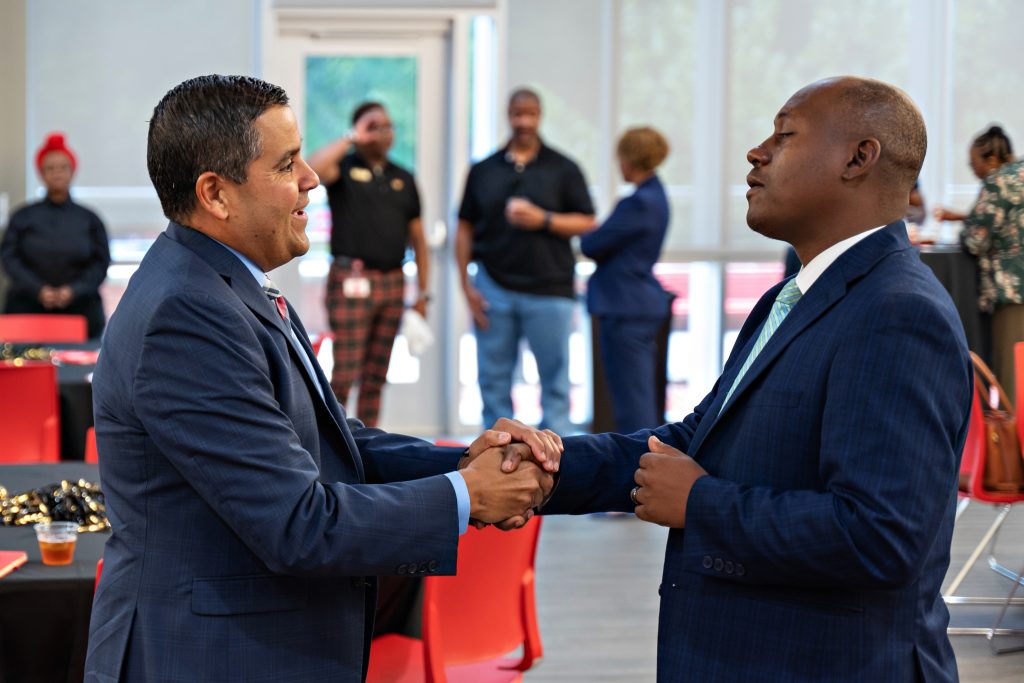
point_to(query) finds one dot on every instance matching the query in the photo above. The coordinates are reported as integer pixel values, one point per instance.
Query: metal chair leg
(987, 541)
(996, 631)
(993, 563)
(961, 506)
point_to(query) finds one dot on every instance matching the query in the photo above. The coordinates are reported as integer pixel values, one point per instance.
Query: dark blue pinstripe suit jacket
(815, 549)
(243, 525)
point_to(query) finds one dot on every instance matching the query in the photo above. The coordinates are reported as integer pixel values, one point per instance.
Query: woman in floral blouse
(994, 232)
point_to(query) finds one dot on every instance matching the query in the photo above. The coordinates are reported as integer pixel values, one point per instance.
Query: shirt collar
(66, 202)
(362, 161)
(509, 159)
(256, 271)
(819, 264)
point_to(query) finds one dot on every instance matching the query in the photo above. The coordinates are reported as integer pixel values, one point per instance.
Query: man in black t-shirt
(521, 207)
(375, 214)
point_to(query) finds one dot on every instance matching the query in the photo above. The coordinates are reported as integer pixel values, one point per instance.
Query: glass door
(327, 76)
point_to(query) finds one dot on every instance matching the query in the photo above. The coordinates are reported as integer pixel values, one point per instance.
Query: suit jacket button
(423, 568)
(359, 583)
(432, 565)
(740, 569)
(403, 568)
(729, 567)
(718, 564)
(706, 562)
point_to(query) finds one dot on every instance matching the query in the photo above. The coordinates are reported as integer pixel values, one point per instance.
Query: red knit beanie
(55, 143)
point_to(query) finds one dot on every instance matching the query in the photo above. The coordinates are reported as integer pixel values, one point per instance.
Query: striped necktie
(784, 303)
(282, 309)
(275, 295)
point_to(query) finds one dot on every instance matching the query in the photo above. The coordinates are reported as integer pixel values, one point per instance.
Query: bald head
(843, 158)
(872, 109)
(523, 94)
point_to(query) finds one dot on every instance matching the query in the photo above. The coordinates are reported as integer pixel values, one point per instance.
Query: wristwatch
(547, 220)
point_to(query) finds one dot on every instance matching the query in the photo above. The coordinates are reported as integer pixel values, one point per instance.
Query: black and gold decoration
(79, 501)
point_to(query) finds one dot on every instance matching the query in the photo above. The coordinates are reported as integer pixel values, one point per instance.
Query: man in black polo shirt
(375, 214)
(521, 207)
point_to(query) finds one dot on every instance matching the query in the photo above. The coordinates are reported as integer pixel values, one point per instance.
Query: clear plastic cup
(57, 542)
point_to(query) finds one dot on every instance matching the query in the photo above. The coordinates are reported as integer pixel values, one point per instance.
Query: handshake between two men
(510, 471)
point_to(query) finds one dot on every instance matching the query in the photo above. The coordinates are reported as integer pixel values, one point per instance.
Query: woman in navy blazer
(623, 294)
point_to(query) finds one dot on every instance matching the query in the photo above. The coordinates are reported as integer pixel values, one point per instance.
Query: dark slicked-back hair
(205, 124)
(364, 108)
(523, 94)
(887, 113)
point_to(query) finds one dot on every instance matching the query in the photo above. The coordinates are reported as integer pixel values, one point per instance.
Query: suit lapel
(827, 290)
(242, 283)
(821, 297)
(334, 408)
(236, 275)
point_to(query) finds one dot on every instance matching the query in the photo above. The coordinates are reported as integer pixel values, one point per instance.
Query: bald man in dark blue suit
(811, 494)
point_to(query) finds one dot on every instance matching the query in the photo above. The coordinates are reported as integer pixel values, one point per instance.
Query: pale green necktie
(784, 302)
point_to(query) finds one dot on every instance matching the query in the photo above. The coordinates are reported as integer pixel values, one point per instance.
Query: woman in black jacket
(55, 251)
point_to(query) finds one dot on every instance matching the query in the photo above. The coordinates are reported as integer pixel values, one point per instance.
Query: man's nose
(310, 178)
(758, 156)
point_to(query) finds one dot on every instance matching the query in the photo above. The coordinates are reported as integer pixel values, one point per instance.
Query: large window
(655, 75)
(778, 46)
(709, 73)
(987, 85)
(334, 86)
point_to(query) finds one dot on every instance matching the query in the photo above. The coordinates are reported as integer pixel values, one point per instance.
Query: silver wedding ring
(632, 495)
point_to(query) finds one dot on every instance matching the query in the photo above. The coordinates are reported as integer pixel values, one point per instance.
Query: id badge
(356, 287)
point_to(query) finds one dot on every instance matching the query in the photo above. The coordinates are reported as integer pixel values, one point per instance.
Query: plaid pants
(364, 332)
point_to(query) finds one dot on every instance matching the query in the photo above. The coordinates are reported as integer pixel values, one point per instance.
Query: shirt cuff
(461, 498)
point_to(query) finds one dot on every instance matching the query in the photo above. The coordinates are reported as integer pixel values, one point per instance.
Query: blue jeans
(545, 322)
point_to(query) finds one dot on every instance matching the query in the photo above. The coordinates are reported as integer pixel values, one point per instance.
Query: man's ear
(211, 195)
(864, 155)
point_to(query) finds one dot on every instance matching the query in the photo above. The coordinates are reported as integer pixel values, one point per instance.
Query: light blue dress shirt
(456, 478)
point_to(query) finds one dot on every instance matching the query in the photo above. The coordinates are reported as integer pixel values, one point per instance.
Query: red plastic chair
(973, 464)
(471, 621)
(29, 413)
(91, 454)
(44, 328)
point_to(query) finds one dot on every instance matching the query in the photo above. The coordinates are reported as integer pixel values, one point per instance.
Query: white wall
(95, 70)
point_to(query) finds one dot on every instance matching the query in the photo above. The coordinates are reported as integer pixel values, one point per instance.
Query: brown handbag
(1004, 466)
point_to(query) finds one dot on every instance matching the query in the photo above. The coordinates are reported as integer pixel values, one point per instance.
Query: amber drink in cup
(57, 542)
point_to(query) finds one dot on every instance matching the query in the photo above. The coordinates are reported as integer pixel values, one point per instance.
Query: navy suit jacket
(626, 247)
(815, 549)
(245, 531)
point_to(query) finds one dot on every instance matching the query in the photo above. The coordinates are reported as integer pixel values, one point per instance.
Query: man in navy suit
(811, 494)
(249, 516)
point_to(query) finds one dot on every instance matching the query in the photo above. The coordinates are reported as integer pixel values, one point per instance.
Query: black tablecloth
(958, 273)
(44, 611)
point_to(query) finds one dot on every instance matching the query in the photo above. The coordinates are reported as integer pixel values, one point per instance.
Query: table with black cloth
(44, 610)
(958, 273)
